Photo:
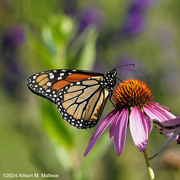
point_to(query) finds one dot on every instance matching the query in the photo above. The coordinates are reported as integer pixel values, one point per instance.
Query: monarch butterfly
(80, 95)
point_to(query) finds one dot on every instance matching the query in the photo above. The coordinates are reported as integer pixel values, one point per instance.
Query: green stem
(148, 164)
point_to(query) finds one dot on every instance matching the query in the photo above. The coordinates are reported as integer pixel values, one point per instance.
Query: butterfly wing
(81, 103)
(78, 94)
(48, 84)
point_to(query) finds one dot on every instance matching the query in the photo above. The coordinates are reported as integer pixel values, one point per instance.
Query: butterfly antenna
(125, 66)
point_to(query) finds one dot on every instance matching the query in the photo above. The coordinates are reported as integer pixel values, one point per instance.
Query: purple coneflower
(134, 107)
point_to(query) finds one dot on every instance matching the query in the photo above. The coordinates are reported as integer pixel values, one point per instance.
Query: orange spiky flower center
(131, 93)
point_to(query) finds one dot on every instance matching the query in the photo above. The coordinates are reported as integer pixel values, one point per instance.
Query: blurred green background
(38, 35)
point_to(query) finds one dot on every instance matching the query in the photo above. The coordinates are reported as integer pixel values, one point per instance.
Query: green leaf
(88, 54)
(46, 57)
(48, 40)
(55, 125)
(61, 28)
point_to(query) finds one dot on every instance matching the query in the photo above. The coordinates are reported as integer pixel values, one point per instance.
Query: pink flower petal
(152, 103)
(172, 122)
(112, 126)
(158, 113)
(149, 124)
(163, 109)
(168, 127)
(139, 128)
(155, 113)
(120, 131)
(100, 129)
(169, 131)
(111, 129)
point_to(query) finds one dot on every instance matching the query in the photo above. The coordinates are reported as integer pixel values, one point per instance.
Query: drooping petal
(152, 103)
(154, 113)
(169, 131)
(149, 124)
(139, 128)
(168, 127)
(164, 109)
(111, 129)
(158, 113)
(170, 124)
(100, 129)
(120, 131)
(112, 126)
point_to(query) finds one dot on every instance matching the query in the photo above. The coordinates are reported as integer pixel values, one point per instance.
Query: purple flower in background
(13, 37)
(91, 17)
(135, 19)
(12, 77)
(134, 107)
(11, 73)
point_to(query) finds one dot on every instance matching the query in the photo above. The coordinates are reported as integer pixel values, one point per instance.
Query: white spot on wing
(51, 76)
(59, 78)
(61, 74)
(48, 84)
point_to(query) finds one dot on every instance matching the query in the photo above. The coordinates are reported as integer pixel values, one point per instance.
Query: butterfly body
(80, 96)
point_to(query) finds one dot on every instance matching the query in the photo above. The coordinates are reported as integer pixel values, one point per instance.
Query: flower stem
(148, 164)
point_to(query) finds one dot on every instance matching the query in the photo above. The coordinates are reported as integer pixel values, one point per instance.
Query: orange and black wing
(78, 95)
(48, 83)
(81, 103)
